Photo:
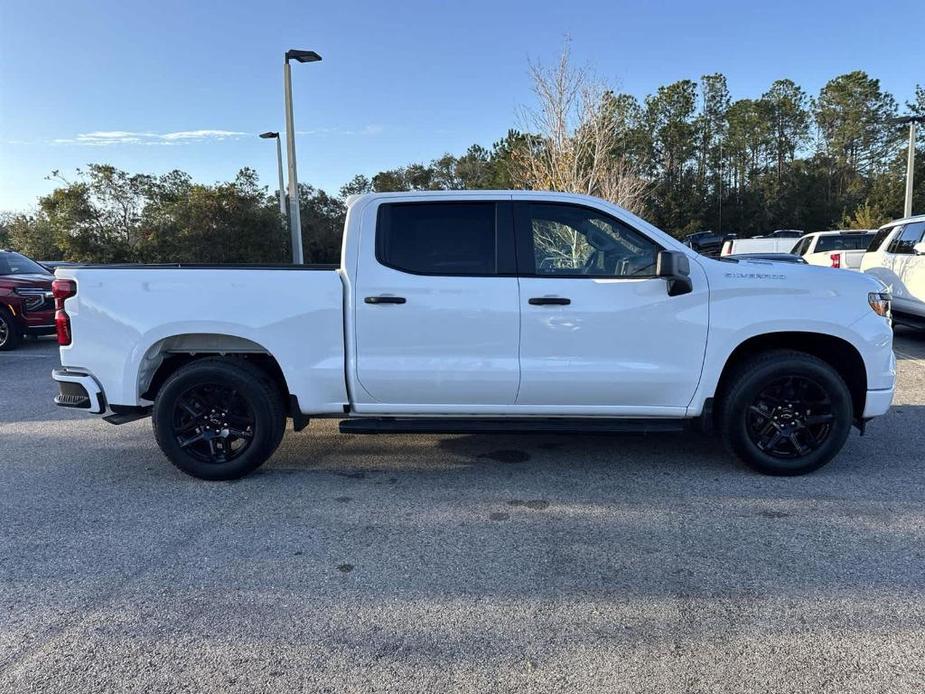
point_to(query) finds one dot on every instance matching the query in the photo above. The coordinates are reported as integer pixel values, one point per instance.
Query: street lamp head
(909, 119)
(269, 135)
(302, 56)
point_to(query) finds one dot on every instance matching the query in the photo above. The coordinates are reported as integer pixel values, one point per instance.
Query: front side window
(905, 241)
(438, 238)
(576, 241)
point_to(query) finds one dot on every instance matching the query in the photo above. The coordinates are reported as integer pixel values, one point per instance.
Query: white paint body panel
(608, 346)
(472, 345)
(120, 315)
(756, 245)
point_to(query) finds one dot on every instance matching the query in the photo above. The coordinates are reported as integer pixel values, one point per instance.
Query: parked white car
(758, 244)
(481, 311)
(897, 258)
(839, 249)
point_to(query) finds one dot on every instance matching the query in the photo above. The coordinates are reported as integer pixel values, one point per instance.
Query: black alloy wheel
(213, 423)
(790, 418)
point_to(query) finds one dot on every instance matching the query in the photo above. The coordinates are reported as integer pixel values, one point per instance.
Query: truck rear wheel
(785, 413)
(218, 419)
(9, 331)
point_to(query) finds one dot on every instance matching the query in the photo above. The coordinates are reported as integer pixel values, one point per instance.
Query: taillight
(836, 259)
(61, 290)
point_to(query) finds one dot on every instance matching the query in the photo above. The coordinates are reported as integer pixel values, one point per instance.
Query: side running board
(522, 425)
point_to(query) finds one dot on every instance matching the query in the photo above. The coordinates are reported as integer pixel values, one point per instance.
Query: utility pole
(279, 166)
(910, 159)
(295, 219)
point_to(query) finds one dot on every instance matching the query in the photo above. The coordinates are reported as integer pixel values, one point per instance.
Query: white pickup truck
(481, 311)
(838, 249)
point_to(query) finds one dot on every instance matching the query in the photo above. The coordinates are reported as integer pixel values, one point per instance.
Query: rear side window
(438, 238)
(843, 242)
(877, 241)
(905, 241)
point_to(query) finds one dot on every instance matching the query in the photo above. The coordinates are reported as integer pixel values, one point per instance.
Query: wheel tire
(738, 416)
(251, 389)
(10, 336)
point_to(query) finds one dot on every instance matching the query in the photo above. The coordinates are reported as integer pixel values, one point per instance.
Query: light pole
(295, 221)
(279, 165)
(910, 160)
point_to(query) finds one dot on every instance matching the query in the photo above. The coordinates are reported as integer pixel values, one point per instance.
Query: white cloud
(201, 135)
(107, 138)
(103, 138)
(365, 130)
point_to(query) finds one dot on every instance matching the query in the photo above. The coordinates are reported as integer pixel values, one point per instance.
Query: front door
(436, 307)
(599, 333)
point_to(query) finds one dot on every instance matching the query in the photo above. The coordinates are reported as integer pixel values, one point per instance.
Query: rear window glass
(843, 242)
(439, 238)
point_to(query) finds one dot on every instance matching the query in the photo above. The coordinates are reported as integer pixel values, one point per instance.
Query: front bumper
(78, 390)
(877, 402)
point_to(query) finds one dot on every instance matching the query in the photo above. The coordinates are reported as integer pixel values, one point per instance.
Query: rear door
(436, 307)
(599, 333)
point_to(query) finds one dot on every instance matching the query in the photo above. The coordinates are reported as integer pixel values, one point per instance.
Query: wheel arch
(837, 352)
(168, 354)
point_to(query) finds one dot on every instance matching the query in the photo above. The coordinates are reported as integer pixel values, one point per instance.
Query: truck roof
(522, 194)
(905, 220)
(840, 231)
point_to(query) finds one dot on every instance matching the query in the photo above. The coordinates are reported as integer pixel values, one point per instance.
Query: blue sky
(189, 84)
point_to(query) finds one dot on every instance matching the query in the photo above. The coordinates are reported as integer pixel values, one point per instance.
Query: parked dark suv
(26, 303)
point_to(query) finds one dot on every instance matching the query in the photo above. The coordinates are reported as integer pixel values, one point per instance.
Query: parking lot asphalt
(456, 563)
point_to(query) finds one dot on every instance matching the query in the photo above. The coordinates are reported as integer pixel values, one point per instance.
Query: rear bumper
(78, 390)
(877, 402)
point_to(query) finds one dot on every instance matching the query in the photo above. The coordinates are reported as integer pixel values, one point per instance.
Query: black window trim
(523, 232)
(505, 255)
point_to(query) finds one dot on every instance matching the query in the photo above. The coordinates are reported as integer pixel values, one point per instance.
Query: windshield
(16, 264)
(843, 242)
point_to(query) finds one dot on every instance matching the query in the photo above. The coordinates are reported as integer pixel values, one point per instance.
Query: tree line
(686, 157)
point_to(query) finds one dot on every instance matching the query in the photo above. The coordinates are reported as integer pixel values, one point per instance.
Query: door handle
(384, 300)
(549, 301)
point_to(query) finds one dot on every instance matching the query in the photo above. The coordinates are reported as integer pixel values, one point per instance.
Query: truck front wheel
(785, 413)
(218, 419)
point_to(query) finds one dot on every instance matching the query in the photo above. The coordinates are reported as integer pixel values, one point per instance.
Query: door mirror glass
(675, 267)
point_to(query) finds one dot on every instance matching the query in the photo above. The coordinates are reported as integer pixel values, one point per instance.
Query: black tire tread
(738, 381)
(234, 368)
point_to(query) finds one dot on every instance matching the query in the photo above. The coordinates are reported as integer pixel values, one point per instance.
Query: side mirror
(675, 267)
(919, 248)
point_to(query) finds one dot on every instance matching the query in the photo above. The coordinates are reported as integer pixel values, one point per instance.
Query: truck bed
(123, 314)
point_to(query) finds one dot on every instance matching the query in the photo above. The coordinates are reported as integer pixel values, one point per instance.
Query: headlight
(880, 302)
(33, 298)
